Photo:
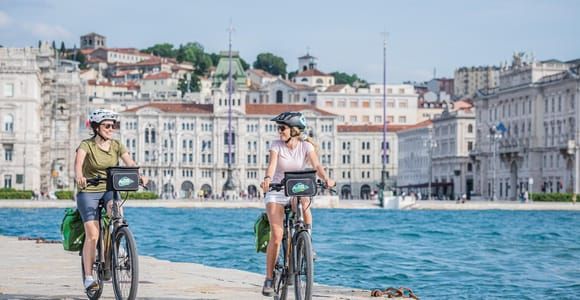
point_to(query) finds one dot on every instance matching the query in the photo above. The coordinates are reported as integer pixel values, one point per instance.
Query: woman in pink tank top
(294, 151)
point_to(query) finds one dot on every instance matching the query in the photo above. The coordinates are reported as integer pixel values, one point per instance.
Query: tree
(245, 65)
(270, 63)
(353, 80)
(191, 85)
(62, 48)
(163, 50)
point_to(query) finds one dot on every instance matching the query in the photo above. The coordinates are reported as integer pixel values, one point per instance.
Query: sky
(424, 37)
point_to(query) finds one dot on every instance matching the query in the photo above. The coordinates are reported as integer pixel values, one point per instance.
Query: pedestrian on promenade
(93, 157)
(294, 151)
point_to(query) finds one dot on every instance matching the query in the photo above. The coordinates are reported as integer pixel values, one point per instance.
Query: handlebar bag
(123, 178)
(300, 183)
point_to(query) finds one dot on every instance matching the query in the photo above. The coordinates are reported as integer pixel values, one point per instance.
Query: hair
(296, 132)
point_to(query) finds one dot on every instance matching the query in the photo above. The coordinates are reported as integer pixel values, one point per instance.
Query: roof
(93, 33)
(189, 108)
(462, 104)
(422, 124)
(275, 109)
(297, 86)
(371, 128)
(261, 73)
(335, 88)
(306, 56)
(311, 72)
(157, 76)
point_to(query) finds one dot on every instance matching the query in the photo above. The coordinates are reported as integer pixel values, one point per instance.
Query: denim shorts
(88, 202)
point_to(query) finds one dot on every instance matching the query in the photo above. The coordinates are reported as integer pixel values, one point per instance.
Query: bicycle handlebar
(95, 181)
(319, 184)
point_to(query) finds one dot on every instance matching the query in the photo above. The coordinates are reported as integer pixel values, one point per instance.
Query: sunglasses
(108, 126)
(282, 127)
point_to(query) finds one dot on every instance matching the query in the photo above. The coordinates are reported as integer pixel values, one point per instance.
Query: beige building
(527, 130)
(468, 80)
(40, 106)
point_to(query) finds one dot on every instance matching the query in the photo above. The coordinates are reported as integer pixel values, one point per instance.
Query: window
(402, 119)
(9, 90)
(403, 104)
(8, 150)
(7, 181)
(470, 128)
(279, 97)
(9, 123)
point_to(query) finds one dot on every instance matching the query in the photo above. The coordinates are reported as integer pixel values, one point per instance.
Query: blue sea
(438, 254)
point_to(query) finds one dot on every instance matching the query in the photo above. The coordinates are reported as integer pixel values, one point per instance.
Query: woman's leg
(306, 212)
(275, 213)
(90, 246)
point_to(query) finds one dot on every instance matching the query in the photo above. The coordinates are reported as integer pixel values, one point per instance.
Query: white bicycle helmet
(100, 115)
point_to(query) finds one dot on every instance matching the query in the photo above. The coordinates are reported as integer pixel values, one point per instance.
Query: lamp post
(494, 135)
(384, 153)
(430, 144)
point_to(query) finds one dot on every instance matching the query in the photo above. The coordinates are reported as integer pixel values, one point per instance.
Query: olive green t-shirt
(98, 160)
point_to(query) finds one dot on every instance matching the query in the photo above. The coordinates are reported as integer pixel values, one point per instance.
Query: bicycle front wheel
(304, 272)
(125, 265)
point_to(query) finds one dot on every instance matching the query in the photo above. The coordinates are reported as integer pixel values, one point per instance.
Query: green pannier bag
(72, 230)
(262, 232)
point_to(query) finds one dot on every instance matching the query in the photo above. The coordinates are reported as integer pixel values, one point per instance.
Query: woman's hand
(143, 180)
(330, 183)
(265, 185)
(81, 182)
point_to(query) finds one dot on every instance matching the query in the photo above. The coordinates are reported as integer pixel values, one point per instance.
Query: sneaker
(106, 274)
(90, 283)
(268, 288)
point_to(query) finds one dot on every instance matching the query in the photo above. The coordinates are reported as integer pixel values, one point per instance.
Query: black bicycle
(121, 260)
(295, 263)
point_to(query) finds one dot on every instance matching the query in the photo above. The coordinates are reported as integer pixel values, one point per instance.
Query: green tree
(62, 48)
(80, 57)
(163, 50)
(245, 65)
(191, 85)
(194, 53)
(353, 80)
(270, 63)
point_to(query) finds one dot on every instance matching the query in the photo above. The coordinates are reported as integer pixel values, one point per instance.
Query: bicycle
(295, 263)
(122, 258)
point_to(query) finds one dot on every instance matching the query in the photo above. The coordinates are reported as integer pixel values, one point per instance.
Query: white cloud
(4, 19)
(47, 31)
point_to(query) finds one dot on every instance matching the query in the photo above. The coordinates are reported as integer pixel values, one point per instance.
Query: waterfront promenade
(33, 270)
(343, 204)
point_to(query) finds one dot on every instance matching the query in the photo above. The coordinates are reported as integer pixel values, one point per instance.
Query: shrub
(9, 193)
(552, 197)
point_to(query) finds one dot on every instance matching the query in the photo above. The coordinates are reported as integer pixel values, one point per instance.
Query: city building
(527, 130)
(468, 80)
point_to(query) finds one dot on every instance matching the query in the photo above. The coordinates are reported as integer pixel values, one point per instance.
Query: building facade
(527, 130)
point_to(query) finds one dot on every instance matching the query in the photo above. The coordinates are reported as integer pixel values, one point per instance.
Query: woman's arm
(265, 185)
(79, 160)
(320, 169)
(129, 162)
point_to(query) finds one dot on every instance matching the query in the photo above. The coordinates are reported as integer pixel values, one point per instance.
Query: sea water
(487, 254)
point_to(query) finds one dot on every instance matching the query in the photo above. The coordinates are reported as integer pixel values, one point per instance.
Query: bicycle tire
(125, 265)
(304, 272)
(94, 294)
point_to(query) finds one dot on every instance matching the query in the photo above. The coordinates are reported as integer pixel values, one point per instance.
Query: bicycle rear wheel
(94, 293)
(304, 267)
(125, 265)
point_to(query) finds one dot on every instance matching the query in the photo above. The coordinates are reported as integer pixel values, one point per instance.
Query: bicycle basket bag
(300, 183)
(123, 179)
(262, 232)
(72, 230)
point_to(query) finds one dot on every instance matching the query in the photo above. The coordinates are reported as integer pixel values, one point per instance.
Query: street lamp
(494, 136)
(430, 144)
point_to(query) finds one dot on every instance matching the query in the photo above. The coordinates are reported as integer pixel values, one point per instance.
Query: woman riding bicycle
(294, 151)
(93, 157)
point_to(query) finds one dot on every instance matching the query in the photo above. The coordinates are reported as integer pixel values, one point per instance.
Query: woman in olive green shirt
(93, 157)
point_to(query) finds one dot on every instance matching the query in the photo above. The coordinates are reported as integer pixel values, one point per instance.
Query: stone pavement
(30, 270)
